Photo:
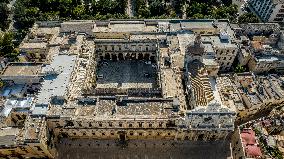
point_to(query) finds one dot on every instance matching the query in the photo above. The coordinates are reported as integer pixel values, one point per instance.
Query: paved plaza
(141, 149)
(128, 74)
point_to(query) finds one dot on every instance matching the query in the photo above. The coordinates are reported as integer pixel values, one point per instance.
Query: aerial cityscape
(142, 79)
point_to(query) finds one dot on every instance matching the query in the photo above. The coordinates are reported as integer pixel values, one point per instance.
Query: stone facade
(136, 80)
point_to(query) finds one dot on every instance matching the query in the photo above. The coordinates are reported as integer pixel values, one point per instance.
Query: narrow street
(130, 8)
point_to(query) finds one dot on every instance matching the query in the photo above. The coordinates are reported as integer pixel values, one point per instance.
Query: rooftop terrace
(55, 82)
(8, 136)
(22, 69)
(110, 108)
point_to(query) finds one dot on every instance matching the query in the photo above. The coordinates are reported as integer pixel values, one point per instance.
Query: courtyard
(126, 74)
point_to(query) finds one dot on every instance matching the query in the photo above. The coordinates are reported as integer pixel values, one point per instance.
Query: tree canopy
(208, 9)
(4, 14)
(29, 11)
(7, 48)
(248, 18)
(156, 9)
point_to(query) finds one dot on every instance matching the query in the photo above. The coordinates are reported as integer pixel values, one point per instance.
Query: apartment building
(268, 10)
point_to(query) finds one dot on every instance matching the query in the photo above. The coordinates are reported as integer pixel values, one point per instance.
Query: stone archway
(140, 56)
(146, 56)
(153, 59)
(133, 56)
(114, 57)
(127, 56)
(107, 56)
(200, 137)
(120, 56)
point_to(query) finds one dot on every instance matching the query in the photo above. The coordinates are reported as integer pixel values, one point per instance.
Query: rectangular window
(278, 19)
(279, 15)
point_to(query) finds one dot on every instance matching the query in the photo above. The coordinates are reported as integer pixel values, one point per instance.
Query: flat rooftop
(134, 108)
(196, 24)
(217, 41)
(22, 69)
(56, 81)
(33, 45)
(8, 136)
(122, 26)
(126, 74)
(108, 108)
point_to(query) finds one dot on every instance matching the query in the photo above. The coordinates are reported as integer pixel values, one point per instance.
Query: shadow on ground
(141, 149)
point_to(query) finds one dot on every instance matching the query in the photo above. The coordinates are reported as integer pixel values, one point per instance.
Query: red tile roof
(249, 142)
(253, 151)
(248, 137)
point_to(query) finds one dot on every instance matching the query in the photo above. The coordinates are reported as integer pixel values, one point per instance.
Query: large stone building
(122, 80)
(127, 80)
(268, 10)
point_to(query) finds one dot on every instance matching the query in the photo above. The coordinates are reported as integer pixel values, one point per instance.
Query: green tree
(239, 69)
(139, 4)
(144, 12)
(1, 84)
(198, 16)
(78, 11)
(195, 8)
(248, 18)
(224, 12)
(157, 8)
(7, 46)
(227, 2)
(4, 14)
